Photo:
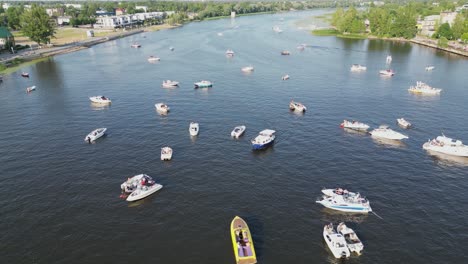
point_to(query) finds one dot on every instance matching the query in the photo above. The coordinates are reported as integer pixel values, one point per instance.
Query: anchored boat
(296, 106)
(242, 242)
(387, 133)
(162, 108)
(355, 125)
(194, 128)
(446, 145)
(100, 99)
(203, 84)
(403, 123)
(95, 134)
(353, 242)
(166, 153)
(335, 242)
(139, 187)
(170, 84)
(238, 131)
(342, 200)
(264, 139)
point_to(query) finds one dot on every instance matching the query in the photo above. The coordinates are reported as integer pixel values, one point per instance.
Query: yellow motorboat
(242, 242)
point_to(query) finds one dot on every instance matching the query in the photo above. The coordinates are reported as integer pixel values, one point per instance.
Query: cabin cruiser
(30, 89)
(429, 68)
(296, 106)
(166, 153)
(100, 99)
(161, 107)
(423, 88)
(264, 139)
(25, 74)
(277, 29)
(139, 187)
(170, 84)
(238, 131)
(95, 134)
(136, 45)
(194, 129)
(387, 133)
(403, 123)
(153, 59)
(387, 72)
(203, 84)
(355, 125)
(389, 59)
(345, 201)
(229, 53)
(247, 69)
(358, 68)
(446, 145)
(285, 52)
(285, 77)
(335, 242)
(353, 242)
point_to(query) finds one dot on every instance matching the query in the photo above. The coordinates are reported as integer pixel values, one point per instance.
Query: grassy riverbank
(336, 33)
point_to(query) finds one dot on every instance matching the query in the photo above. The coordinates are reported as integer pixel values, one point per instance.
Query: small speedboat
(345, 201)
(285, 77)
(387, 133)
(171, 48)
(153, 59)
(296, 106)
(277, 29)
(100, 99)
(170, 84)
(423, 88)
(264, 139)
(229, 53)
(247, 69)
(358, 68)
(238, 131)
(162, 108)
(30, 89)
(387, 72)
(136, 45)
(242, 242)
(95, 134)
(301, 47)
(285, 52)
(335, 242)
(429, 68)
(203, 84)
(403, 123)
(25, 74)
(139, 187)
(166, 153)
(355, 125)
(220, 34)
(194, 129)
(446, 145)
(389, 59)
(353, 242)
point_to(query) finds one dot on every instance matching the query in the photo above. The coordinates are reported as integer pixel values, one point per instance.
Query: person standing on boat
(89, 140)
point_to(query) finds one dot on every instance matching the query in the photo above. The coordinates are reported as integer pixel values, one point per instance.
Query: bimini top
(267, 132)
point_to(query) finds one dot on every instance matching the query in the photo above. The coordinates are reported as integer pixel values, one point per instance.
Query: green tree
(444, 31)
(458, 27)
(36, 24)
(464, 37)
(442, 42)
(13, 17)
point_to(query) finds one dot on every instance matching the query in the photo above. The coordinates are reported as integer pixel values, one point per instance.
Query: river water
(60, 196)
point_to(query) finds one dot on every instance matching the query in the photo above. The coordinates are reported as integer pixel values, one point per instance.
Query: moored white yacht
(203, 84)
(285, 52)
(153, 59)
(136, 45)
(170, 84)
(166, 153)
(353, 242)
(194, 128)
(446, 145)
(162, 108)
(345, 201)
(248, 68)
(285, 77)
(429, 68)
(229, 53)
(358, 68)
(387, 133)
(423, 88)
(95, 134)
(264, 139)
(403, 123)
(387, 72)
(139, 187)
(296, 106)
(355, 125)
(238, 131)
(335, 242)
(100, 99)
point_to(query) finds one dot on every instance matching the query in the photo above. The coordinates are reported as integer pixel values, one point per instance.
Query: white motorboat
(446, 145)
(171, 48)
(403, 123)
(387, 133)
(296, 106)
(264, 139)
(30, 89)
(345, 201)
(358, 68)
(247, 69)
(136, 45)
(355, 125)
(387, 72)
(220, 34)
(277, 29)
(389, 59)
(166, 153)
(194, 129)
(285, 52)
(100, 99)
(139, 187)
(162, 108)
(238, 131)
(285, 77)
(335, 241)
(203, 84)
(430, 68)
(301, 47)
(353, 242)
(423, 88)
(95, 134)
(229, 53)
(153, 59)
(170, 84)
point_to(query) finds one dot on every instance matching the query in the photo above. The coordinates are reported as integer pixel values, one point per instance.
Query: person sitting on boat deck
(339, 191)
(237, 235)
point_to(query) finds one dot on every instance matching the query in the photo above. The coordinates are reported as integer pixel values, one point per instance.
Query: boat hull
(243, 245)
(238, 131)
(452, 151)
(346, 208)
(262, 146)
(95, 134)
(140, 194)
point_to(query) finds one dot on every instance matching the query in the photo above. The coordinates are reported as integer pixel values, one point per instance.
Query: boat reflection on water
(448, 160)
(98, 107)
(389, 143)
(334, 216)
(264, 152)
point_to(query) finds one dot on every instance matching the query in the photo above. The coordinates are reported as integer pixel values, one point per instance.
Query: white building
(448, 17)
(427, 25)
(111, 22)
(63, 20)
(145, 8)
(76, 6)
(6, 6)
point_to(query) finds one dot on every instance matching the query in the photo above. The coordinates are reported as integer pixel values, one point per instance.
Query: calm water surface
(59, 196)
